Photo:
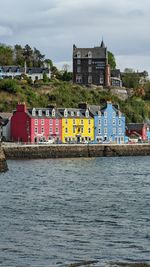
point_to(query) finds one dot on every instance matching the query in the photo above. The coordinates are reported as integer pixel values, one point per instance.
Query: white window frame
(40, 112)
(36, 122)
(42, 122)
(47, 113)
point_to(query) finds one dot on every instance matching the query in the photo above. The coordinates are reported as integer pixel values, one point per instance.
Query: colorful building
(36, 124)
(137, 131)
(109, 124)
(77, 125)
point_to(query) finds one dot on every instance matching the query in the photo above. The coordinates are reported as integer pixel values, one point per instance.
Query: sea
(56, 212)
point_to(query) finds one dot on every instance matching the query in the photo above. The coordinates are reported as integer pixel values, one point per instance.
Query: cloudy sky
(53, 26)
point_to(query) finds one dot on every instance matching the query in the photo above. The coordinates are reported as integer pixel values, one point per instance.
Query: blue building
(109, 124)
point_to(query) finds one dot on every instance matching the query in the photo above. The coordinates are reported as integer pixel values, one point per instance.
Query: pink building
(36, 124)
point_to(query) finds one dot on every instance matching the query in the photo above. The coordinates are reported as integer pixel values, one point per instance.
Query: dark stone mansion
(90, 65)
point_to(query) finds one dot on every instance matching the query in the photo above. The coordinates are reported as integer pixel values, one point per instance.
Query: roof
(135, 126)
(18, 69)
(6, 115)
(97, 52)
(116, 73)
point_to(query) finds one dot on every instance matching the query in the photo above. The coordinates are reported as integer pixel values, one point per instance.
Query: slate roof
(135, 126)
(116, 73)
(97, 52)
(43, 116)
(15, 69)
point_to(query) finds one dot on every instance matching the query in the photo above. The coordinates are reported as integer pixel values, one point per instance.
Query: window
(78, 79)
(36, 122)
(57, 122)
(50, 130)
(114, 122)
(78, 54)
(42, 122)
(105, 122)
(36, 130)
(82, 130)
(114, 114)
(66, 121)
(40, 112)
(66, 130)
(119, 122)
(53, 113)
(72, 113)
(90, 61)
(120, 131)
(74, 129)
(99, 130)
(101, 81)
(89, 130)
(99, 121)
(51, 121)
(78, 69)
(33, 112)
(65, 113)
(86, 113)
(90, 79)
(105, 130)
(89, 69)
(89, 54)
(114, 130)
(105, 114)
(57, 130)
(78, 113)
(81, 121)
(89, 121)
(99, 113)
(78, 61)
(42, 130)
(74, 121)
(47, 113)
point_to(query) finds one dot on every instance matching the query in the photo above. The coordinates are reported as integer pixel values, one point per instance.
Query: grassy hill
(65, 94)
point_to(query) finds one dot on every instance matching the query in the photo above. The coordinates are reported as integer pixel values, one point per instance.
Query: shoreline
(19, 151)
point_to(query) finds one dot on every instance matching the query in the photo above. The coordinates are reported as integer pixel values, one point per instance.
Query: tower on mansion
(90, 65)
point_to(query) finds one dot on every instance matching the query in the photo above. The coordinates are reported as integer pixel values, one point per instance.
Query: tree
(28, 55)
(37, 58)
(111, 60)
(130, 78)
(19, 58)
(6, 55)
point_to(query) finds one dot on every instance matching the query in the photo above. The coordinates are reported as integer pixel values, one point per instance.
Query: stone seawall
(71, 151)
(3, 163)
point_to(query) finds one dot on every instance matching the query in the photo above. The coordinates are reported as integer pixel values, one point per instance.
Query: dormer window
(99, 113)
(89, 54)
(65, 113)
(72, 113)
(78, 54)
(40, 112)
(86, 113)
(78, 113)
(33, 112)
(105, 114)
(47, 113)
(53, 113)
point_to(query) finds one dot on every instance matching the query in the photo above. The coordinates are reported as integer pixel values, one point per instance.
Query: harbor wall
(72, 151)
(3, 163)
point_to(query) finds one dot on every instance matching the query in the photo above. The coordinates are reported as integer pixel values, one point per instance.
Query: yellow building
(77, 125)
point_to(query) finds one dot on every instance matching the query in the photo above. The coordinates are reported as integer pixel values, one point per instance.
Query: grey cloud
(54, 25)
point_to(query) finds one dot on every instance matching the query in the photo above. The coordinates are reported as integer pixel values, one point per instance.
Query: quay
(3, 163)
(19, 151)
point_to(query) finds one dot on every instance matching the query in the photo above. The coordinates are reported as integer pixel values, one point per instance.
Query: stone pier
(72, 151)
(3, 163)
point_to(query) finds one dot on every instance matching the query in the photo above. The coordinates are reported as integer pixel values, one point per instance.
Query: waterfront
(58, 211)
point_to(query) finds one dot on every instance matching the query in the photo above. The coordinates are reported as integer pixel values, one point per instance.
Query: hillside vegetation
(66, 94)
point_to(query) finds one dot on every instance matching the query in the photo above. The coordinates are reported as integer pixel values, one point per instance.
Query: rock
(3, 163)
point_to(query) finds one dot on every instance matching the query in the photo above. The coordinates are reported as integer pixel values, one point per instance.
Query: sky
(53, 26)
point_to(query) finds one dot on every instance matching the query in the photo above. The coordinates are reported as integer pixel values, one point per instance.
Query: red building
(138, 130)
(36, 124)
